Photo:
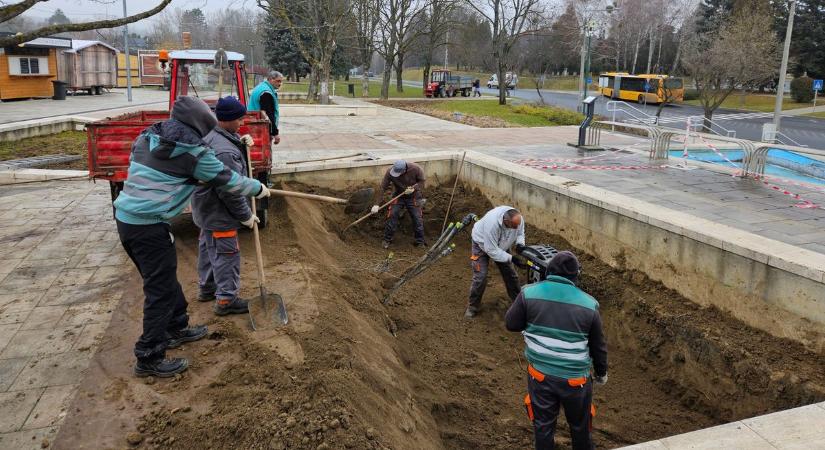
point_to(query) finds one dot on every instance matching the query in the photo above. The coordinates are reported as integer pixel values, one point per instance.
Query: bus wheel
(641, 99)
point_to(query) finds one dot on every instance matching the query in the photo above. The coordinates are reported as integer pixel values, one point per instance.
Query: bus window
(633, 84)
(673, 83)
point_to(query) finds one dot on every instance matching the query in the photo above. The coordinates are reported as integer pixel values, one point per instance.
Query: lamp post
(584, 66)
(780, 89)
(128, 62)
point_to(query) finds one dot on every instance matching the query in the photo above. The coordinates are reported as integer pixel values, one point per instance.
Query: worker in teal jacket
(167, 162)
(265, 98)
(563, 336)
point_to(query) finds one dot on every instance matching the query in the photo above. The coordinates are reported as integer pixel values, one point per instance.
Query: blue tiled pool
(781, 163)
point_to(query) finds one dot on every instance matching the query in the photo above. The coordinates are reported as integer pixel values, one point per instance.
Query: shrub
(802, 89)
(556, 116)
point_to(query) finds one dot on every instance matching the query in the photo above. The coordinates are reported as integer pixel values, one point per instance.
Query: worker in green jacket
(265, 98)
(563, 336)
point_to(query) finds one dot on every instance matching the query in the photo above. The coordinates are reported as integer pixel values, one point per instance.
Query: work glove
(264, 192)
(600, 380)
(374, 209)
(518, 261)
(247, 140)
(520, 248)
(251, 221)
(409, 190)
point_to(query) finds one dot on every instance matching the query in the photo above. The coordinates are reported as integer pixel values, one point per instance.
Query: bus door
(617, 83)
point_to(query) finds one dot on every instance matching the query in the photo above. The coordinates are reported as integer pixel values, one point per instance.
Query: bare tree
(9, 12)
(743, 55)
(322, 21)
(367, 16)
(437, 22)
(397, 20)
(509, 21)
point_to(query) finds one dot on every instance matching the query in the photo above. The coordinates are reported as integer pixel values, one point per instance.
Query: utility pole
(128, 62)
(446, 49)
(780, 89)
(584, 65)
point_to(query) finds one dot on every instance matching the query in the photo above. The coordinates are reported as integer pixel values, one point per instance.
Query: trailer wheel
(263, 204)
(114, 188)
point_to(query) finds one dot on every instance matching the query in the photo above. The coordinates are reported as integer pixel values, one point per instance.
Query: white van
(512, 81)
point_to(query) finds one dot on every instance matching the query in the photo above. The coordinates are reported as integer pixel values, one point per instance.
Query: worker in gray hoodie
(220, 213)
(493, 235)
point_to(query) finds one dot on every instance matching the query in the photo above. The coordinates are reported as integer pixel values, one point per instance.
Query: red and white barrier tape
(566, 160)
(564, 167)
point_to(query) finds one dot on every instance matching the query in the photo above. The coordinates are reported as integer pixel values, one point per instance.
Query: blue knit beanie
(229, 108)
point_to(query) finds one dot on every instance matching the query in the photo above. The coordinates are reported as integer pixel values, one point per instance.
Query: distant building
(27, 70)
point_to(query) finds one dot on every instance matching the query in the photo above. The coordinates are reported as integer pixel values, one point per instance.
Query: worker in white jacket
(493, 236)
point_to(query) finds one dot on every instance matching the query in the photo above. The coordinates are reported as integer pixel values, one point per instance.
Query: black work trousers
(547, 396)
(480, 263)
(411, 203)
(152, 249)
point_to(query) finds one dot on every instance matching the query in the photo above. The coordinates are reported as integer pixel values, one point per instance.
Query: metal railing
(780, 138)
(616, 106)
(702, 121)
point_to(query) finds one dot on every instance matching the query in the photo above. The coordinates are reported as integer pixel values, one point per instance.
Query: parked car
(510, 77)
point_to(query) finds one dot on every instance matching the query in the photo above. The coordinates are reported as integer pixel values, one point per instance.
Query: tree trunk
(426, 74)
(385, 80)
(678, 54)
(502, 83)
(314, 80)
(706, 123)
(659, 54)
(399, 68)
(636, 52)
(365, 82)
(650, 45)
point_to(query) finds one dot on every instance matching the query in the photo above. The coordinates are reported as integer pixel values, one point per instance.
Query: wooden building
(134, 66)
(27, 70)
(88, 65)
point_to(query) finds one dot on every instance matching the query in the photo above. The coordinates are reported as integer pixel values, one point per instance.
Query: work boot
(161, 367)
(206, 297)
(470, 312)
(385, 244)
(235, 306)
(420, 244)
(188, 334)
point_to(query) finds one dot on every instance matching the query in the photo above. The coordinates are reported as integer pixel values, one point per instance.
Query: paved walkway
(58, 286)
(111, 103)
(798, 428)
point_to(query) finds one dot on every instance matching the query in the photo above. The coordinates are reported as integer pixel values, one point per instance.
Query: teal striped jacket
(167, 162)
(562, 328)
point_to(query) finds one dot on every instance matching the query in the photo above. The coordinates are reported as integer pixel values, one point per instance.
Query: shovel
(269, 308)
(357, 202)
(371, 213)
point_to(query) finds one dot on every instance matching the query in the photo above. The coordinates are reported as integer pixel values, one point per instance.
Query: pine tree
(282, 52)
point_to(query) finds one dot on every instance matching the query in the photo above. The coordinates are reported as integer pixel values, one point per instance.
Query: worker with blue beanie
(219, 215)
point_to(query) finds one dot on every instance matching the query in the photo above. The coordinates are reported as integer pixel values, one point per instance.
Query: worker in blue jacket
(167, 161)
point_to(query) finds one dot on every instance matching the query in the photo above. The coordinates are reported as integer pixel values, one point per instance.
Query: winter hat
(398, 168)
(195, 113)
(229, 108)
(564, 264)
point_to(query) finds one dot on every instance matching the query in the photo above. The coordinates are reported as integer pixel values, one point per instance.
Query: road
(802, 130)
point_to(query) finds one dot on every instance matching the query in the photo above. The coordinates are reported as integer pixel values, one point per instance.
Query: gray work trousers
(219, 264)
(480, 262)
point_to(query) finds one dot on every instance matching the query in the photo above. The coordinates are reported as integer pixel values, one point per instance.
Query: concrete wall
(41, 127)
(767, 284)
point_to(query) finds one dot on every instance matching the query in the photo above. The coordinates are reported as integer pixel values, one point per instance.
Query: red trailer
(192, 73)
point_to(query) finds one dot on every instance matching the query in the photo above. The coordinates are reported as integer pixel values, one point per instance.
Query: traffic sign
(589, 80)
(818, 85)
(647, 86)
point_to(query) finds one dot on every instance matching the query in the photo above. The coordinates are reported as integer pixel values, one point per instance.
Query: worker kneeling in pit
(493, 235)
(563, 334)
(407, 180)
(220, 213)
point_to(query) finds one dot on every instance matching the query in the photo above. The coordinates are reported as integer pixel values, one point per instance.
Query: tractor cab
(205, 73)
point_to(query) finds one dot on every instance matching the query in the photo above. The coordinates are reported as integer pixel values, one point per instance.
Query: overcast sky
(85, 10)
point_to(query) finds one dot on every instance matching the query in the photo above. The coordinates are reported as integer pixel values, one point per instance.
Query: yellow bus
(643, 88)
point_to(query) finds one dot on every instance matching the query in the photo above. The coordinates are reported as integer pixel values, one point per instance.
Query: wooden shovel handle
(320, 198)
(379, 209)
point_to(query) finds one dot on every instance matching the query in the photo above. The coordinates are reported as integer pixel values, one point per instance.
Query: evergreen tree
(282, 52)
(58, 18)
(808, 39)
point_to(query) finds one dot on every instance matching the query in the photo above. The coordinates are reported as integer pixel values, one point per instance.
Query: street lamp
(128, 62)
(780, 89)
(584, 68)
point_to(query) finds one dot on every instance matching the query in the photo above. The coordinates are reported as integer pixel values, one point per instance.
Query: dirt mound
(349, 372)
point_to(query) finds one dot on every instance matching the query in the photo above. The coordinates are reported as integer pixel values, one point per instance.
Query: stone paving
(61, 261)
(82, 104)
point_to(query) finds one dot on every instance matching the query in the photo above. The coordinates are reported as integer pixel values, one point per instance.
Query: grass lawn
(755, 102)
(820, 114)
(488, 113)
(341, 89)
(66, 143)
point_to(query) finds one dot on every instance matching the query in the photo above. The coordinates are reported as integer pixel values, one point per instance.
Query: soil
(349, 372)
(426, 108)
(67, 143)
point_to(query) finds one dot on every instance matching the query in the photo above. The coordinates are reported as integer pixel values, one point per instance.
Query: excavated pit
(349, 372)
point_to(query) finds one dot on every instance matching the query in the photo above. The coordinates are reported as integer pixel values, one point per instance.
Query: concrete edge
(787, 257)
(14, 176)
